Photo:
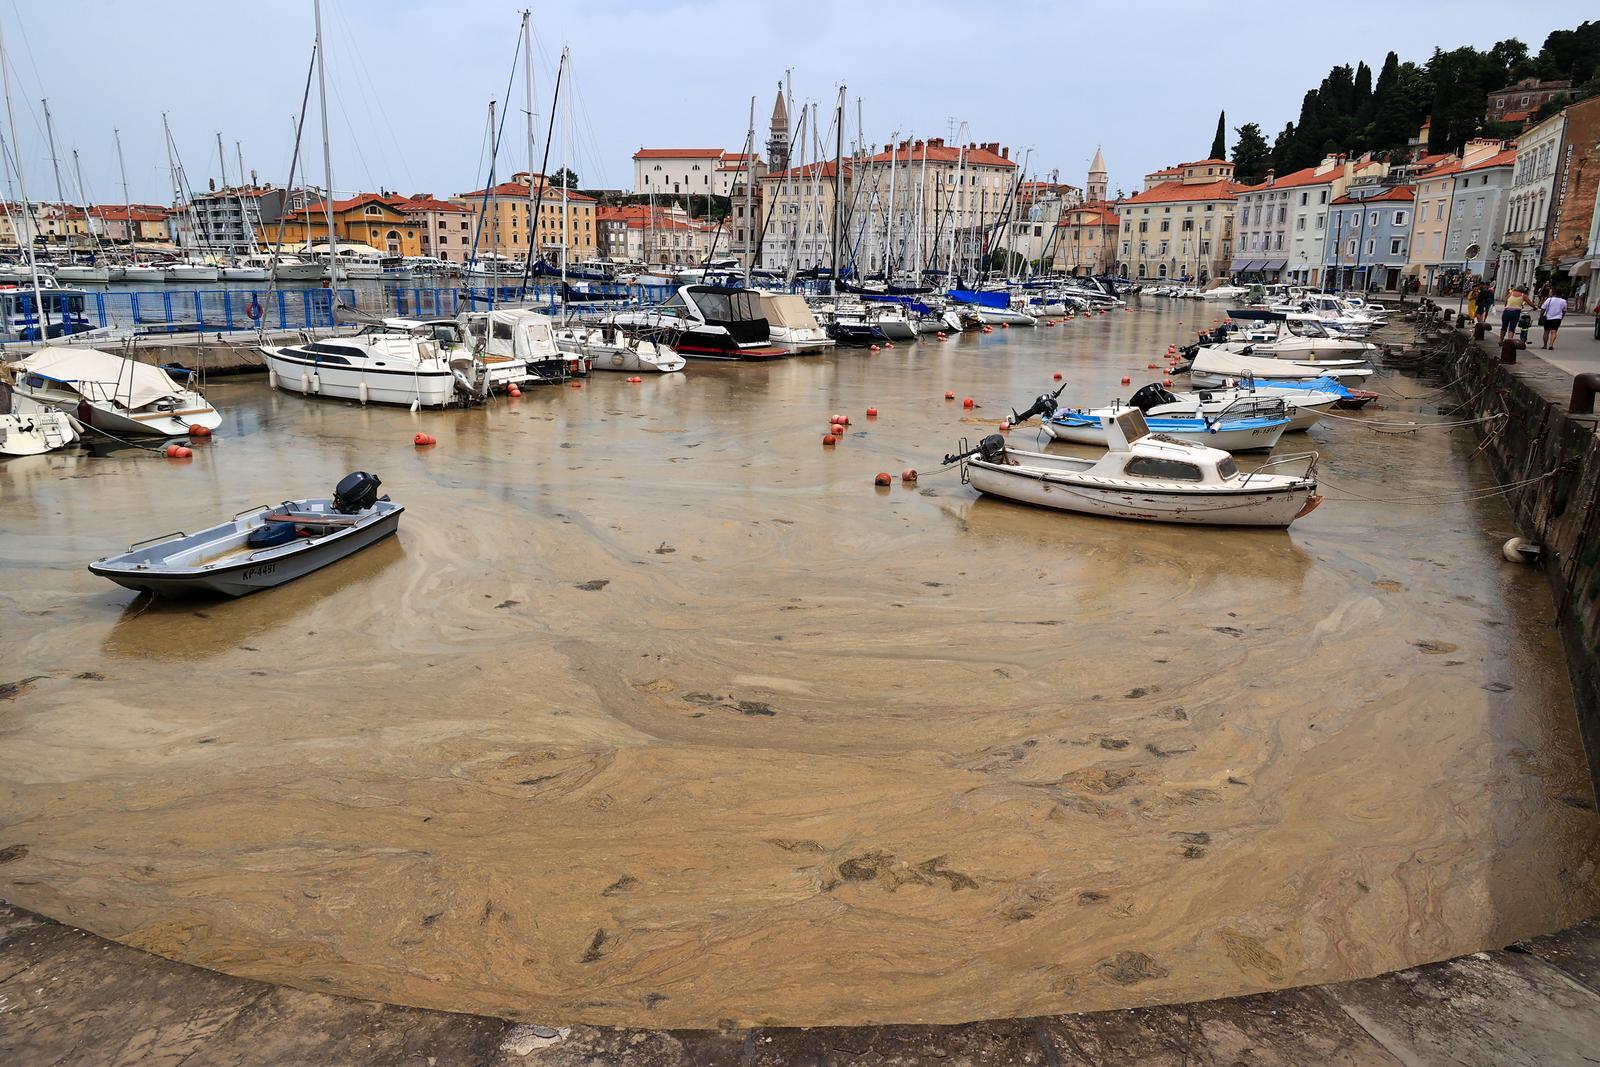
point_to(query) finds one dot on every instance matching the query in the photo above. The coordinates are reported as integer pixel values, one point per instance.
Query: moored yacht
(112, 393)
(714, 322)
(377, 367)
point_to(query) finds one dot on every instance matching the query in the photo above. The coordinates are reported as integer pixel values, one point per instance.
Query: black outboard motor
(356, 492)
(993, 448)
(1044, 405)
(1151, 396)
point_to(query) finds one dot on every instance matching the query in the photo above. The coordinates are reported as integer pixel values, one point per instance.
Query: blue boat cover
(988, 300)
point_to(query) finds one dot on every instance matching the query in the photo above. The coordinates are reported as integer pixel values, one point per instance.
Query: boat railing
(1310, 459)
(1251, 407)
(176, 535)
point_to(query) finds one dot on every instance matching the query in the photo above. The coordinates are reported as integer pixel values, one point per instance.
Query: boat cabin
(736, 310)
(63, 312)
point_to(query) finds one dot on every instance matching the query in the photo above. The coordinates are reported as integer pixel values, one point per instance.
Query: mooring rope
(1483, 493)
(1412, 427)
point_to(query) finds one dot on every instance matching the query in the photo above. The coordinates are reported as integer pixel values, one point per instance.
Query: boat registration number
(258, 572)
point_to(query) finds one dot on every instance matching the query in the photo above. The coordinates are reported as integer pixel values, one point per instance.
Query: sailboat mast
(838, 183)
(83, 200)
(327, 157)
(566, 178)
(749, 199)
(888, 238)
(55, 165)
(527, 84)
(244, 208)
(122, 169)
(22, 187)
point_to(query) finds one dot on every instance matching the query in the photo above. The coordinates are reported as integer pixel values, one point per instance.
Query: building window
(1395, 246)
(1399, 218)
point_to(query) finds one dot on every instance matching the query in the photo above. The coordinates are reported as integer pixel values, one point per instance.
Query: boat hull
(1274, 508)
(244, 274)
(433, 388)
(299, 272)
(252, 571)
(98, 275)
(1229, 439)
(35, 434)
(190, 274)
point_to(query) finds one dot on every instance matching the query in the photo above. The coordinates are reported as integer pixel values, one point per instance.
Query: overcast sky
(410, 80)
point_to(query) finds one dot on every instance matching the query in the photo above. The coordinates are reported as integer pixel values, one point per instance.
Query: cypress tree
(1219, 143)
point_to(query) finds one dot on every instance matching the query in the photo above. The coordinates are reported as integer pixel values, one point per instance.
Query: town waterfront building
(125, 224)
(444, 228)
(1515, 103)
(370, 219)
(690, 171)
(1181, 225)
(629, 232)
(1533, 183)
(501, 219)
(1577, 179)
(1369, 233)
(1086, 239)
(1460, 216)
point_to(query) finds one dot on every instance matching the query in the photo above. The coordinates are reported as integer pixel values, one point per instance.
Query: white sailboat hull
(244, 274)
(83, 274)
(35, 434)
(190, 272)
(299, 272)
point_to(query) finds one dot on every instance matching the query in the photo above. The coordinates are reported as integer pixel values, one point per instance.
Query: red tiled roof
(1305, 176)
(138, 212)
(1499, 159)
(677, 153)
(1398, 193)
(1102, 213)
(810, 170)
(340, 206)
(1515, 116)
(518, 191)
(1204, 162)
(939, 152)
(1176, 192)
(427, 202)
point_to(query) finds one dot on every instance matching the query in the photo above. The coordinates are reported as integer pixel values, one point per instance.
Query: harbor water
(657, 712)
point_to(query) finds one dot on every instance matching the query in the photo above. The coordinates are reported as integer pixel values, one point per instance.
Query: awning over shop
(1273, 264)
(1247, 266)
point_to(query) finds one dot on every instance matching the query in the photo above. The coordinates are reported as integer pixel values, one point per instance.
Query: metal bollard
(1479, 330)
(1508, 350)
(1584, 387)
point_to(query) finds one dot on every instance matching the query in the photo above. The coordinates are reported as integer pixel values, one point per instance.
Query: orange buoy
(967, 402)
(1049, 322)
(837, 430)
(882, 478)
(577, 385)
(1005, 326)
(828, 440)
(1166, 382)
(940, 335)
(874, 348)
(178, 452)
(988, 329)
(635, 379)
(196, 430)
(909, 476)
(1126, 379)
(1005, 425)
(513, 390)
(1151, 366)
(888, 344)
(1057, 376)
(844, 419)
(949, 395)
(872, 413)
(423, 439)
(1172, 350)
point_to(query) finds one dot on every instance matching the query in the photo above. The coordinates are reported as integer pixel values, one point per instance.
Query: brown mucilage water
(658, 713)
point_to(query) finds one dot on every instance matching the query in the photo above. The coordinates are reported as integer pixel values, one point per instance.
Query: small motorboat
(1211, 366)
(1302, 407)
(261, 547)
(112, 393)
(28, 428)
(1248, 430)
(607, 347)
(1348, 398)
(1145, 476)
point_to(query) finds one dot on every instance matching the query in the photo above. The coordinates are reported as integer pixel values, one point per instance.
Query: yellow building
(504, 228)
(374, 219)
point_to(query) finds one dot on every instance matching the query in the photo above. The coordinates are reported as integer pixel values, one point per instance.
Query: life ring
(254, 310)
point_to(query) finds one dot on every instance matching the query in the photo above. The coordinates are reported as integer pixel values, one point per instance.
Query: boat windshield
(1227, 468)
(727, 307)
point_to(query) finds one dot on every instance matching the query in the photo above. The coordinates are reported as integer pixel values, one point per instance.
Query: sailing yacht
(112, 393)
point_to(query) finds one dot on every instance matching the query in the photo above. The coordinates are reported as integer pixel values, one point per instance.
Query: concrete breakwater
(1553, 458)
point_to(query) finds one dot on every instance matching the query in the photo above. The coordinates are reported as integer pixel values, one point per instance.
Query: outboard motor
(1151, 396)
(993, 448)
(1044, 405)
(356, 492)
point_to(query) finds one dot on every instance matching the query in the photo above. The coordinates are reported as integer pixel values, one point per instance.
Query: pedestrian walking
(1485, 302)
(1551, 312)
(1517, 301)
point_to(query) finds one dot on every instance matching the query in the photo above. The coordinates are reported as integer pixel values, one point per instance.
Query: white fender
(305, 382)
(363, 390)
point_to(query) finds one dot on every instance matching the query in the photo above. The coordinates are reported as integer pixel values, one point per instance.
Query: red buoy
(1057, 376)
(178, 452)
(874, 348)
(967, 403)
(513, 390)
(423, 439)
(1126, 379)
(577, 385)
(1167, 382)
(843, 419)
(949, 394)
(940, 335)
(1005, 425)
(888, 344)
(636, 379)
(872, 413)
(829, 440)
(1150, 366)
(196, 430)
(882, 478)
(909, 476)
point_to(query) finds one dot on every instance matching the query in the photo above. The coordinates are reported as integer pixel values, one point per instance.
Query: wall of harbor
(1552, 458)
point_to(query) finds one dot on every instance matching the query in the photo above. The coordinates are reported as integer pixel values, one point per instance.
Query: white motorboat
(252, 268)
(259, 548)
(378, 368)
(1224, 292)
(1213, 366)
(714, 322)
(1254, 428)
(190, 271)
(1004, 317)
(791, 325)
(28, 428)
(65, 311)
(1145, 476)
(518, 341)
(1303, 408)
(83, 272)
(111, 393)
(1304, 339)
(630, 352)
(19, 272)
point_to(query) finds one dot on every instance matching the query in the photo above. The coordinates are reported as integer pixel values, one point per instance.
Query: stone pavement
(69, 997)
